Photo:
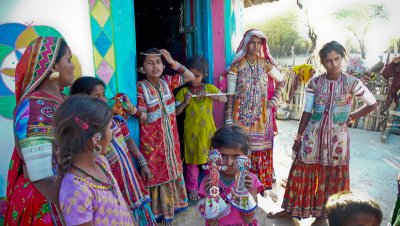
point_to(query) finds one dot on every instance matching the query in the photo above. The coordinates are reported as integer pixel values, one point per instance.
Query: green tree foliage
(358, 17)
(282, 34)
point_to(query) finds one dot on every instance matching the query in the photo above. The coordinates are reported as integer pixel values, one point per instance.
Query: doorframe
(198, 15)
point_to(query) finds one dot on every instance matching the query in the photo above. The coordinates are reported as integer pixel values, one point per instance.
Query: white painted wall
(71, 18)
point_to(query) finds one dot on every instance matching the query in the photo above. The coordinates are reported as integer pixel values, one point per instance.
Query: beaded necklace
(250, 103)
(103, 185)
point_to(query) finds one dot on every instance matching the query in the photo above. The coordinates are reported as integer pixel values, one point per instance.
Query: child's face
(361, 219)
(98, 92)
(229, 159)
(198, 77)
(153, 66)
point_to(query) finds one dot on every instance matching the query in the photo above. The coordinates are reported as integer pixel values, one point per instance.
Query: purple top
(83, 200)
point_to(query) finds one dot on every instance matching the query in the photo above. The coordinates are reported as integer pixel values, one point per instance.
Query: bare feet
(320, 221)
(193, 195)
(279, 214)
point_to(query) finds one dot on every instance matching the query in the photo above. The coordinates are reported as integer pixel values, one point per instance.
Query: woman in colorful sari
(33, 186)
(322, 145)
(258, 84)
(120, 153)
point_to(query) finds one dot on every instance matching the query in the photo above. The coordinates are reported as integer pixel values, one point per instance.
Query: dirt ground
(374, 167)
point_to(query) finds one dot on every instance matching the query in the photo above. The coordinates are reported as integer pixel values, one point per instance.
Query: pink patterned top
(234, 217)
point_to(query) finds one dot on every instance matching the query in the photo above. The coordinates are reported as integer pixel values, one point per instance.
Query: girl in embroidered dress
(232, 142)
(89, 193)
(199, 126)
(159, 141)
(252, 75)
(322, 146)
(32, 188)
(120, 152)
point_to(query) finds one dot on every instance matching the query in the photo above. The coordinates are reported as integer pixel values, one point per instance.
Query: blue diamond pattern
(102, 44)
(96, 28)
(107, 28)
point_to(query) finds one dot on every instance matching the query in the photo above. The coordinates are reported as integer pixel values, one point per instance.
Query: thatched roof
(248, 3)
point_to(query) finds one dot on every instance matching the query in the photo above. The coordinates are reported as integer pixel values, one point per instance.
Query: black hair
(85, 85)
(142, 58)
(344, 205)
(78, 119)
(61, 50)
(332, 46)
(198, 63)
(231, 136)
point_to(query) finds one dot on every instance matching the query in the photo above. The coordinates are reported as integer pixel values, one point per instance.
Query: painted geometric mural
(102, 38)
(14, 38)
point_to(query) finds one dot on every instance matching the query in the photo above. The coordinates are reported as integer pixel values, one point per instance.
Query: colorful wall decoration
(113, 34)
(102, 38)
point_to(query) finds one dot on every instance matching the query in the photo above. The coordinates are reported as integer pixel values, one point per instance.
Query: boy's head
(348, 209)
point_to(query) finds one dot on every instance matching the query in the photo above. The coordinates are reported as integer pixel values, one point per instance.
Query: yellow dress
(199, 126)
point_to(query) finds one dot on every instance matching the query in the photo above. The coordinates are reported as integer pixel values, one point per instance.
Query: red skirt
(27, 206)
(261, 165)
(310, 185)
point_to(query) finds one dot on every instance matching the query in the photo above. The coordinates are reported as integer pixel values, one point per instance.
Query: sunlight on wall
(18, 22)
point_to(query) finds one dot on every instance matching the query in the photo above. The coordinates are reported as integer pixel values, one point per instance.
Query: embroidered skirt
(261, 165)
(27, 206)
(310, 185)
(168, 199)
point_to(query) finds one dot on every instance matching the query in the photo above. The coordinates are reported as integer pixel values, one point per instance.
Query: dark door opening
(157, 24)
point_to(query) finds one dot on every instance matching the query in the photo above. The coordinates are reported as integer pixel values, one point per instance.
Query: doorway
(157, 24)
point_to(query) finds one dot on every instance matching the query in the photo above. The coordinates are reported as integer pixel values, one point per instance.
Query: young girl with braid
(89, 193)
(120, 153)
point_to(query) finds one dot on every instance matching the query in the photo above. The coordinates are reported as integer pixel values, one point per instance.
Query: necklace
(250, 102)
(103, 185)
(227, 182)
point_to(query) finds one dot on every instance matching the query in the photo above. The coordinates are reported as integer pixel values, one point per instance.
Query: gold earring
(97, 149)
(54, 76)
(141, 70)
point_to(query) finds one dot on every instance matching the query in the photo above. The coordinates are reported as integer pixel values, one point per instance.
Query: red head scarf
(242, 49)
(35, 65)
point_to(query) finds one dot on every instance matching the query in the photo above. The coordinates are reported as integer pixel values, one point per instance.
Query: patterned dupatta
(31, 70)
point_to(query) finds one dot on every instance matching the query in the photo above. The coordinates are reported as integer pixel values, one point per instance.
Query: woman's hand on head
(167, 56)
